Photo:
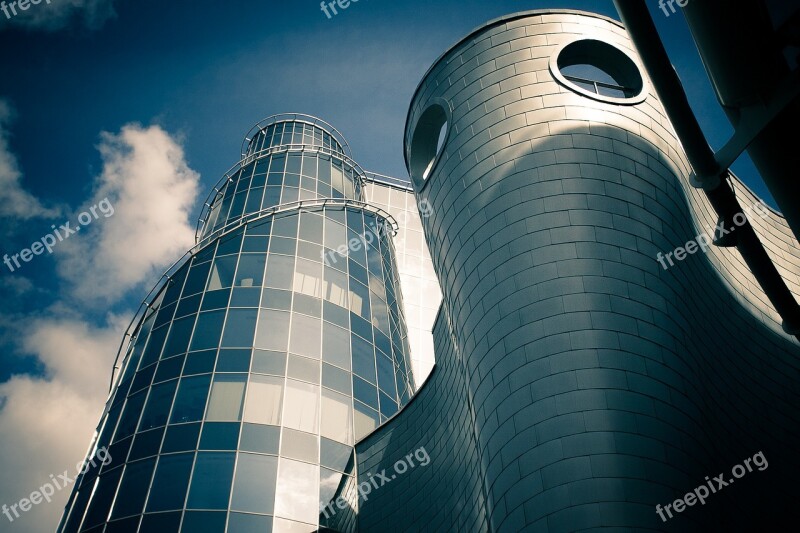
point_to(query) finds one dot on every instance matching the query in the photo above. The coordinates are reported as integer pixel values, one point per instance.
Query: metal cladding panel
(597, 383)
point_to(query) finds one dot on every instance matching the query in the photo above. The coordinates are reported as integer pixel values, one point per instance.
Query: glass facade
(276, 346)
(422, 295)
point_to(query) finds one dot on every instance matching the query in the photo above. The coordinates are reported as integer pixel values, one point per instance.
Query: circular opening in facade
(428, 142)
(600, 71)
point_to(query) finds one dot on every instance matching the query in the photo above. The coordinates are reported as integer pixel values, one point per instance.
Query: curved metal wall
(599, 383)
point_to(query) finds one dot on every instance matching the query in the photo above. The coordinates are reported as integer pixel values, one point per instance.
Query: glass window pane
(158, 405)
(171, 482)
(188, 306)
(335, 455)
(365, 392)
(249, 523)
(190, 402)
(266, 362)
(169, 368)
(363, 359)
(211, 480)
(233, 360)
(303, 368)
(227, 395)
(181, 438)
(254, 198)
(359, 299)
(204, 522)
(178, 339)
(146, 444)
(280, 270)
(254, 486)
(215, 299)
(301, 407)
(102, 498)
(246, 297)
(199, 362)
(222, 273)
(298, 491)
(306, 335)
(251, 270)
(239, 328)
(337, 379)
(197, 279)
(259, 438)
(337, 417)
(133, 489)
(300, 445)
(273, 330)
(386, 376)
(230, 244)
(366, 420)
(336, 286)
(276, 299)
(219, 436)
(335, 234)
(161, 522)
(208, 330)
(311, 227)
(154, 345)
(308, 278)
(336, 346)
(285, 226)
(130, 417)
(264, 394)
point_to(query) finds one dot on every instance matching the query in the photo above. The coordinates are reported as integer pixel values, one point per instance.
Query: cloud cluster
(58, 14)
(153, 191)
(47, 420)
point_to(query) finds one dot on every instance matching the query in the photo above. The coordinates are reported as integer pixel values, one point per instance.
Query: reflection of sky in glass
(301, 408)
(328, 485)
(421, 292)
(297, 491)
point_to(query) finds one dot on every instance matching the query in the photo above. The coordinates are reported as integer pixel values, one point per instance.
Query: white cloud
(47, 421)
(15, 202)
(52, 15)
(152, 190)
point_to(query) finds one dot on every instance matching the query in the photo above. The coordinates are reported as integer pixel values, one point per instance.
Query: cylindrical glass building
(275, 345)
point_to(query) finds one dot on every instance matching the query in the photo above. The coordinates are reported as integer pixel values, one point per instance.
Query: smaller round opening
(428, 142)
(598, 70)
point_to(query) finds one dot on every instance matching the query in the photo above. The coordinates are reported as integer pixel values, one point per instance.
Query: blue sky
(185, 81)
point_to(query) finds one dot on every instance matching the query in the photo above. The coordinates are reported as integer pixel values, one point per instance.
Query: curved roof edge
(484, 26)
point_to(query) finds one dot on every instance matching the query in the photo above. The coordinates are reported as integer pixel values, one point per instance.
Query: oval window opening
(428, 142)
(597, 68)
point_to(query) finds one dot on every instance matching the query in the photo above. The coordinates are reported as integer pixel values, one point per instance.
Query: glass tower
(262, 356)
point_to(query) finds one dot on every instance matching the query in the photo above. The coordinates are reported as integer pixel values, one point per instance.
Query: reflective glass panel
(263, 405)
(254, 485)
(227, 395)
(211, 480)
(298, 491)
(301, 408)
